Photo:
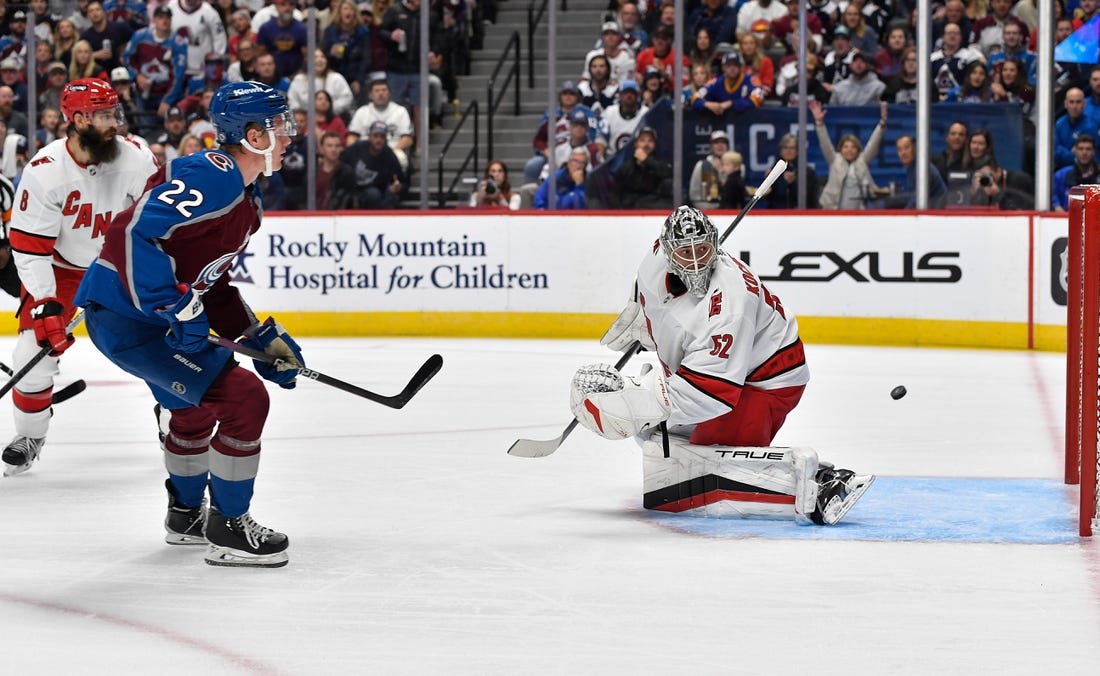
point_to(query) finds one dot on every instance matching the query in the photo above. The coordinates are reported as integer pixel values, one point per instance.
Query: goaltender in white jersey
(66, 198)
(732, 368)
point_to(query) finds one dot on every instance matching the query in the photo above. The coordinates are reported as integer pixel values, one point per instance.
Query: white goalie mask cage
(690, 242)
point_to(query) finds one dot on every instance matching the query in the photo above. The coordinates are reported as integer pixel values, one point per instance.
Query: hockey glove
(48, 316)
(616, 406)
(628, 327)
(188, 326)
(273, 339)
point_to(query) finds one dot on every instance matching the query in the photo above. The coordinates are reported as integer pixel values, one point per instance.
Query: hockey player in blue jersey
(157, 290)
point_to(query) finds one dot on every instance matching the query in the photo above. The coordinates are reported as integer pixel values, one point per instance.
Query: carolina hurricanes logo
(212, 272)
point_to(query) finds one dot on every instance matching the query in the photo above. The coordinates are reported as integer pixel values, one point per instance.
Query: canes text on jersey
(85, 215)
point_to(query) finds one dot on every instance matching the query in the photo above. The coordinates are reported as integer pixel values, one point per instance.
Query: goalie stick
(534, 448)
(425, 373)
(39, 356)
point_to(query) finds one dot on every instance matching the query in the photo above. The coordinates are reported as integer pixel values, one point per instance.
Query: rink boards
(973, 279)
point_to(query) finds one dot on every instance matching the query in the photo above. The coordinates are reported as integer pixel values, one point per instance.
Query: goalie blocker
(703, 480)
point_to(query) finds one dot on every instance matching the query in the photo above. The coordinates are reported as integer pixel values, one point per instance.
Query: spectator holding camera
(494, 190)
(993, 186)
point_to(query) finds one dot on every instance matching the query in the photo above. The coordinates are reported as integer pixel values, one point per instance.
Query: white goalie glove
(628, 327)
(615, 406)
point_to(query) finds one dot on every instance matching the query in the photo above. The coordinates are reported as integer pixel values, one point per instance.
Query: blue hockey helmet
(237, 104)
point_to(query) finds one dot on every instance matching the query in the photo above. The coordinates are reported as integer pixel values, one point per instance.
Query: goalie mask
(690, 243)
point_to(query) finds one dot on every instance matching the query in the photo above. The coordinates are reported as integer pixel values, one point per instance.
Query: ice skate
(240, 541)
(21, 453)
(183, 525)
(839, 490)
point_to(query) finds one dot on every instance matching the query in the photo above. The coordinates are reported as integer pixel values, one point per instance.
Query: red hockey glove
(48, 316)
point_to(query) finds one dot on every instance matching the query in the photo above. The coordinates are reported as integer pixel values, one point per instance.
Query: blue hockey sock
(230, 498)
(189, 489)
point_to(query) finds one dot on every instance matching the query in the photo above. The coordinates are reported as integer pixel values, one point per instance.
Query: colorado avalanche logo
(212, 272)
(220, 160)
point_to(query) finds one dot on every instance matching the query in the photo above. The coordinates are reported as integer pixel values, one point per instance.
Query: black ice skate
(838, 492)
(183, 525)
(240, 541)
(21, 454)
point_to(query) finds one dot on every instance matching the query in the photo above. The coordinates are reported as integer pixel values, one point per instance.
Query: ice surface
(418, 546)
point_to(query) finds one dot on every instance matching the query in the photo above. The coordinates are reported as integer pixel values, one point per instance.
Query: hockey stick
(534, 448)
(39, 356)
(64, 394)
(426, 372)
(69, 391)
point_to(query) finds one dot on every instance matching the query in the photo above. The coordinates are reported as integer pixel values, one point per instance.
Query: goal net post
(1083, 351)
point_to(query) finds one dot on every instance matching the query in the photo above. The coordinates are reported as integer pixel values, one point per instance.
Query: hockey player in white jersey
(732, 367)
(66, 198)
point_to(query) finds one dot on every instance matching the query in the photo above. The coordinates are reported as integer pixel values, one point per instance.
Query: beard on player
(100, 145)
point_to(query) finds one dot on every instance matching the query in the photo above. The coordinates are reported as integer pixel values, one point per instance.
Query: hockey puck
(898, 392)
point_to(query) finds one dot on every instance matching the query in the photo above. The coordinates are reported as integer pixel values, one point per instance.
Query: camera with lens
(985, 180)
(490, 186)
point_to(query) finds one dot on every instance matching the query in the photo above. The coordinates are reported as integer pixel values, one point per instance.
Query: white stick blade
(531, 448)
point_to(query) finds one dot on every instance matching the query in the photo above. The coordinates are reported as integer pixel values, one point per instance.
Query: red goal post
(1083, 351)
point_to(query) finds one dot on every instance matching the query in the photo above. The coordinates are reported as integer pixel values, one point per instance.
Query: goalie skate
(839, 490)
(240, 541)
(183, 525)
(20, 454)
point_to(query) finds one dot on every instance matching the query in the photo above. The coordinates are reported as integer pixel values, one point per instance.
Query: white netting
(597, 378)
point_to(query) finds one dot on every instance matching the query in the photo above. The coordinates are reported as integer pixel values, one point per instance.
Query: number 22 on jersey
(171, 197)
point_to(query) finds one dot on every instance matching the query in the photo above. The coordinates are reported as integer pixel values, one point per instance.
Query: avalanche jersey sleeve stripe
(31, 244)
(724, 391)
(785, 359)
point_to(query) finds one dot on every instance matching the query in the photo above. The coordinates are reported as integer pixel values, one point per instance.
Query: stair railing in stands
(471, 109)
(494, 97)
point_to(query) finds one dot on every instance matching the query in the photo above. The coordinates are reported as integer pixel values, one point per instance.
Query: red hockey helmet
(86, 96)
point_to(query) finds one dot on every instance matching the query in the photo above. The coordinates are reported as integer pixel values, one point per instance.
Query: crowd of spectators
(166, 56)
(742, 54)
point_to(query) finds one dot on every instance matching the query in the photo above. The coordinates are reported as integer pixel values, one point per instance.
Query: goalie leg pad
(616, 406)
(723, 481)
